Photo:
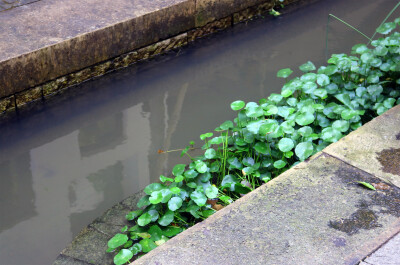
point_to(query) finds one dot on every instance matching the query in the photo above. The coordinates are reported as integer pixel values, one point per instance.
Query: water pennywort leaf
(117, 240)
(166, 219)
(175, 203)
(123, 256)
(304, 150)
(237, 105)
(284, 73)
(212, 192)
(307, 67)
(285, 144)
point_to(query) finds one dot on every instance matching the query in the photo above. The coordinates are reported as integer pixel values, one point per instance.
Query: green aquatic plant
(265, 139)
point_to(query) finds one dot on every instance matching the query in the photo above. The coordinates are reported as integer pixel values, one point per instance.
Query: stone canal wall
(47, 45)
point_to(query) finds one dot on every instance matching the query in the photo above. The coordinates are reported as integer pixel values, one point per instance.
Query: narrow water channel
(77, 155)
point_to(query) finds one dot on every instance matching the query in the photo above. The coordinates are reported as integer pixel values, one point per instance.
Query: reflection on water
(78, 155)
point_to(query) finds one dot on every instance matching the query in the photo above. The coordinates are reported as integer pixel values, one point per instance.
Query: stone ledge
(60, 55)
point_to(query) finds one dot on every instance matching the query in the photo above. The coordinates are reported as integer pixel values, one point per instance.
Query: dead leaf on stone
(381, 186)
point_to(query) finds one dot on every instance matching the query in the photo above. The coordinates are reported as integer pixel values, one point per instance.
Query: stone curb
(92, 38)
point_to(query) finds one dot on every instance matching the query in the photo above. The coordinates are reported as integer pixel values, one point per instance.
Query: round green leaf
(166, 195)
(132, 215)
(271, 110)
(147, 245)
(286, 93)
(153, 187)
(284, 73)
(285, 144)
(321, 93)
(175, 190)
(305, 118)
(154, 215)
(175, 203)
(386, 28)
(304, 150)
(254, 111)
(210, 153)
(156, 197)
(341, 125)
(144, 219)
(144, 201)
(178, 169)
(367, 57)
(309, 87)
(331, 135)
(226, 125)
(261, 147)
(212, 192)
(198, 197)
(323, 80)
(279, 164)
(201, 167)
(167, 218)
(237, 105)
(307, 67)
(191, 173)
(276, 98)
(123, 256)
(136, 248)
(117, 240)
(155, 232)
(172, 231)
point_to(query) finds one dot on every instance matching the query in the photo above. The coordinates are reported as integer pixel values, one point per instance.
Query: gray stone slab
(86, 245)
(48, 39)
(375, 147)
(65, 260)
(388, 254)
(315, 213)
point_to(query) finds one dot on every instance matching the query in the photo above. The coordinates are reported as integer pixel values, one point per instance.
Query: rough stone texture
(7, 104)
(89, 241)
(210, 28)
(315, 213)
(85, 33)
(389, 254)
(210, 10)
(28, 96)
(65, 260)
(374, 147)
(94, 238)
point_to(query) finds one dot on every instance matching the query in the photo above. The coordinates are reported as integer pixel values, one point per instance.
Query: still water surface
(79, 154)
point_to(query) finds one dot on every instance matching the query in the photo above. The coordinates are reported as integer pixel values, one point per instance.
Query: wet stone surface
(390, 160)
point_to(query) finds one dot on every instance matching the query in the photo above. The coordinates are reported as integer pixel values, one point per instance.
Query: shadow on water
(78, 154)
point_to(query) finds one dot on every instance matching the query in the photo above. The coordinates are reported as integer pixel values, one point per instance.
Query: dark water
(81, 153)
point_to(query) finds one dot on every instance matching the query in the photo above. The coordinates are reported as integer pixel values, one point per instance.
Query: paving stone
(388, 254)
(315, 213)
(86, 246)
(65, 260)
(375, 147)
